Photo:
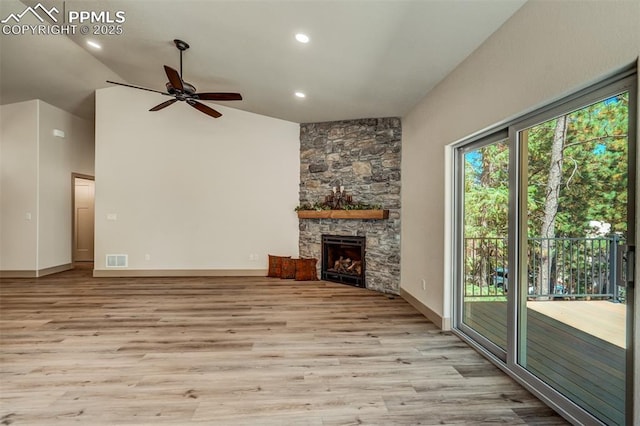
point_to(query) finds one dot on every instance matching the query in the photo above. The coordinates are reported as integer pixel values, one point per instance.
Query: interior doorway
(83, 217)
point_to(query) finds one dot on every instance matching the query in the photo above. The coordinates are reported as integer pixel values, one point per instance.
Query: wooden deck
(237, 351)
(577, 347)
(600, 318)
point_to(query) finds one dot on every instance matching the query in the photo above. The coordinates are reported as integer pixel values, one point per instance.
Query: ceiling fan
(183, 91)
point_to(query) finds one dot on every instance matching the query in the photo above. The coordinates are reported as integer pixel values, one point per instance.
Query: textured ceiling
(366, 58)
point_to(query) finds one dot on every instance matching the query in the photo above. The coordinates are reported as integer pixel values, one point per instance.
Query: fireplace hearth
(343, 259)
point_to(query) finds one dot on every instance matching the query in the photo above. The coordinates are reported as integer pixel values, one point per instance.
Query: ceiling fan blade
(174, 78)
(138, 87)
(163, 105)
(219, 96)
(203, 108)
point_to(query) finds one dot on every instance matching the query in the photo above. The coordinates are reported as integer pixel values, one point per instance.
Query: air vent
(117, 260)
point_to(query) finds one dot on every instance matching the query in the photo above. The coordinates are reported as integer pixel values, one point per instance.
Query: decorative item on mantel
(339, 205)
(339, 199)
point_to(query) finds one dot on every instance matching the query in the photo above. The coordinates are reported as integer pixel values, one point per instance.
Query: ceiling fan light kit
(183, 91)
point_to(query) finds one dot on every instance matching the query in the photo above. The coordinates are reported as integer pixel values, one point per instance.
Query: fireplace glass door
(343, 259)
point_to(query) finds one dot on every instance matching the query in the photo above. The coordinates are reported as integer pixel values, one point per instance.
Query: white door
(83, 219)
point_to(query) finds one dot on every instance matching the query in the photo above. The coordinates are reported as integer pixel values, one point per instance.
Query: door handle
(630, 257)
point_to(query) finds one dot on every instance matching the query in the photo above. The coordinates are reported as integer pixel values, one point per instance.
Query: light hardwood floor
(236, 351)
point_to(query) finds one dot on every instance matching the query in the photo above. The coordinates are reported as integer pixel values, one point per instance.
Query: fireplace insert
(343, 259)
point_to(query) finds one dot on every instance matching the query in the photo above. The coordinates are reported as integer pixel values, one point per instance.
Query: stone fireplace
(364, 157)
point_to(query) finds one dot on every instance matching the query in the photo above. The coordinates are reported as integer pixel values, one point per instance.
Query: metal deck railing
(568, 268)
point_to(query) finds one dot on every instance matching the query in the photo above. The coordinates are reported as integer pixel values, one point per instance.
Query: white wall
(59, 157)
(546, 50)
(18, 186)
(36, 172)
(190, 191)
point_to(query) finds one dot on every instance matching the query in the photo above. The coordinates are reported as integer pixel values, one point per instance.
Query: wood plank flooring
(237, 351)
(587, 369)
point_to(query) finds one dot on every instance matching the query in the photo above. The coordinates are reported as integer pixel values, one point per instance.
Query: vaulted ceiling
(365, 58)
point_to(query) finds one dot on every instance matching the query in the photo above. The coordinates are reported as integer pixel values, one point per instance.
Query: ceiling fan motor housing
(188, 89)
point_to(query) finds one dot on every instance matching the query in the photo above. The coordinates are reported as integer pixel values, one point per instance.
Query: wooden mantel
(343, 214)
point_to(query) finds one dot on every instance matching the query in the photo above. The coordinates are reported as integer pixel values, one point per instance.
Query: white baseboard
(441, 322)
(36, 273)
(113, 272)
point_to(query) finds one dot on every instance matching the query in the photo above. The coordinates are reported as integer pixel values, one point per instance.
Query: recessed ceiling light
(94, 44)
(302, 38)
(300, 95)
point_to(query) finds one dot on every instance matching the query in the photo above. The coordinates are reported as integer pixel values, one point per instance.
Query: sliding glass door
(484, 201)
(575, 171)
(545, 217)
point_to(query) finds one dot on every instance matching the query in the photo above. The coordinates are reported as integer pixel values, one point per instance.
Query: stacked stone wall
(364, 157)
